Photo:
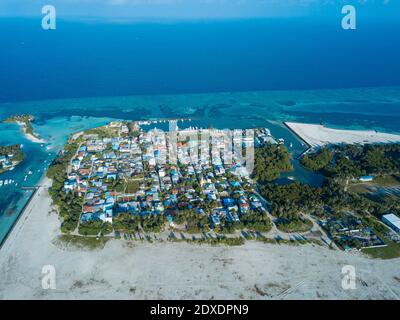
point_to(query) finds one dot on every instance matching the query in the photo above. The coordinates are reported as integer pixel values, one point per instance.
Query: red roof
(88, 209)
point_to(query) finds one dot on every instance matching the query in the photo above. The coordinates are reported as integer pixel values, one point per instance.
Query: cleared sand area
(317, 135)
(135, 270)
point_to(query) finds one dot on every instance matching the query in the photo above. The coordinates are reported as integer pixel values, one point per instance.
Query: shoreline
(316, 135)
(30, 136)
(14, 224)
(23, 211)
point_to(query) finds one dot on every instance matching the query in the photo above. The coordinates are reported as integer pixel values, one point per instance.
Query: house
(392, 221)
(235, 184)
(70, 185)
(244, 208)
(227, 202)
(108, 216)
(111, 176)
(76, 164)
(366, 178)
(214, 219)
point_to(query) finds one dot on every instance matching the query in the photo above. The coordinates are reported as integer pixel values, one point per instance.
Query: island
(10, 156)
(25, 122)
(111, 181)
(124, 212)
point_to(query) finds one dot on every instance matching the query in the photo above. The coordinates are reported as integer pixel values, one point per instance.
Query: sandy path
(124, 270)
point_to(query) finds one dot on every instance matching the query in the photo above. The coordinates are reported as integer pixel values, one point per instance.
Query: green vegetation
(153, 223)
(94, 228)
(125, 222)
(270, 161)
(318, 160)
(391, 251)
(235, 241)
(26, 120)
(289, 200)
(256, 221)
(132, 186)
(90, 243)
(294, 225)
(354, 161)
(16, 156)
(193, 221)
(103, 132)
(343, 164)
(69, 204)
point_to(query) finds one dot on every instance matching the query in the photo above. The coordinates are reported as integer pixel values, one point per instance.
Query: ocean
(225, 74)
(92, 59)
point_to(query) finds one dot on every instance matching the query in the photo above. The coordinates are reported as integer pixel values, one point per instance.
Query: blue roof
(367, 177)
(228, 201)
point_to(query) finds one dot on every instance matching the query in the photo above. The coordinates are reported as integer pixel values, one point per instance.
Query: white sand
(30, 136)
(136, 270)
(317, 135)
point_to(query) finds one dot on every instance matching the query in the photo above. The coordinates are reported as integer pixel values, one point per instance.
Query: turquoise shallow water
(377, 108)
(37, 158)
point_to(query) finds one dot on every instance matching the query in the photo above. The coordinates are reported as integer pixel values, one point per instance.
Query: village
(129, 178)
(121, 168)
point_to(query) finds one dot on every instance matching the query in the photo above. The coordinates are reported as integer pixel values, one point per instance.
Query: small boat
(291, 145)
(1, 183)
(30, 172)
(12, 168)
(5, 182)
(281, 141)
(25, 178)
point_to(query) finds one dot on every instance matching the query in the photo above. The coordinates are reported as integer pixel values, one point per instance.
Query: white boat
(12, 168)
(25, 178)
(30, 172)
(1, 183)
(5, 182)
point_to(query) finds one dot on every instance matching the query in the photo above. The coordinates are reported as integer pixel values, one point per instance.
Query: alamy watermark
(49, 18)
(49, 277)
(349, 21)
(349, 277)
(191, 146)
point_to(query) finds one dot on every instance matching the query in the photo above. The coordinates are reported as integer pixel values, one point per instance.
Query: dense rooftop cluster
(121, 168)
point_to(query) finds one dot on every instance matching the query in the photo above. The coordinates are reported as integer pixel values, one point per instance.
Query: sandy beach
(136, 270)
(317, 135)
(30, 136)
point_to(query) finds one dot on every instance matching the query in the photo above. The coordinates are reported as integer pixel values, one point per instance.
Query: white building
(392, 221)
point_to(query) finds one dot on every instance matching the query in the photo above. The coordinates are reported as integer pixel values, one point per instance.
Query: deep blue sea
(225, 74)
(91, 59)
